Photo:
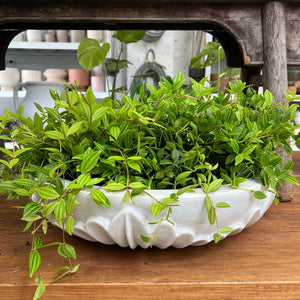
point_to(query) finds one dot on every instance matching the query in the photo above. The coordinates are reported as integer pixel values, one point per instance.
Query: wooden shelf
(262, 262)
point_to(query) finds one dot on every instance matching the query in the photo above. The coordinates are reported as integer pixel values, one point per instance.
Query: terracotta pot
(293, 88)
(214, 77)
(81, 76)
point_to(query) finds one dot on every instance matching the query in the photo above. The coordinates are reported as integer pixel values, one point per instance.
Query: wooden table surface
(262, 262)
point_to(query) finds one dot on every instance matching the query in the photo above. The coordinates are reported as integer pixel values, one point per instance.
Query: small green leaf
(99, 113)
(215, 185)
(289, 165)
(28, 225)
(34, 262)
(31, 208)
(169, 200)
(45, 226)
(94, 181)
(235, 146)
(89, 161)
(137, 185)
(217, 237)
(156, 208)
(291, 179)
(182, 176)
(60, 212)
(31, 218)
(208, 204)
(222, 205)
(100, 198)
(115, 132)
(134, 165)
(76, 126)
(74, 186)
(114, 186)
(66, 250)
(225, 230)
(259, 195)
(39, 290)
(249, 150)
(70, 204)
(24, 182)
(212, 216)
(37, 242)
(238, 159)
(55, 135)
(129, 36)
(70, 225)
(47, 193)
(134, 157)
(146, 239)
(126, 196)
(22, 192)
(49, 208)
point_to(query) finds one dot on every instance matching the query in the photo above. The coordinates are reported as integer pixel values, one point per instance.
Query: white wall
(173, 50)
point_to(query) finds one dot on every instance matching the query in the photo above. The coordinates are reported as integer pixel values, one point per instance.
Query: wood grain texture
(262, 262)
(236, 23)
(275, 68)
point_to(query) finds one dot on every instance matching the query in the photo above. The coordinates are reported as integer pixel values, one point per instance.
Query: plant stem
(116, 71)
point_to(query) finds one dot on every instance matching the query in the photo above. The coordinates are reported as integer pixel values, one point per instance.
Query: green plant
(90, 54)
(211, 54)
(167, 139)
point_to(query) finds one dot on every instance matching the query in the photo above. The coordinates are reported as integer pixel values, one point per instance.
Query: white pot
(6, 103)
(77, 36)
(9, 78)
(124, 223)
(31, 75)
(56, 75)
(36, 92)
(96, 34)
(62, 36)
(34, 35)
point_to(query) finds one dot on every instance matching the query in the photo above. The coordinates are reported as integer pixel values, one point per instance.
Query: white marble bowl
(124, 223)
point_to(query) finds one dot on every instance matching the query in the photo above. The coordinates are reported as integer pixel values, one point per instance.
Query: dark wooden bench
(256, 35)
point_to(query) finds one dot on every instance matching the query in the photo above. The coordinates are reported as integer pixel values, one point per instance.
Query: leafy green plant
(168, 139)
(211, 54)
(91, 54)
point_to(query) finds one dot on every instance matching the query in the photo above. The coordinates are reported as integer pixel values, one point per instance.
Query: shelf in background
(43, 46)
(9, 94)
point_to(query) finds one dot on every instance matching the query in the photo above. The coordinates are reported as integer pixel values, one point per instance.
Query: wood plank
(275, 68)
(262, 262)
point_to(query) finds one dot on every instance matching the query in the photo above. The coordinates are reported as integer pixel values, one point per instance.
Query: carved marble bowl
(124, 223)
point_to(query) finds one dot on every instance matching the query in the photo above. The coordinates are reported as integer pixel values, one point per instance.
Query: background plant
(91, 54)
(211, 54)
